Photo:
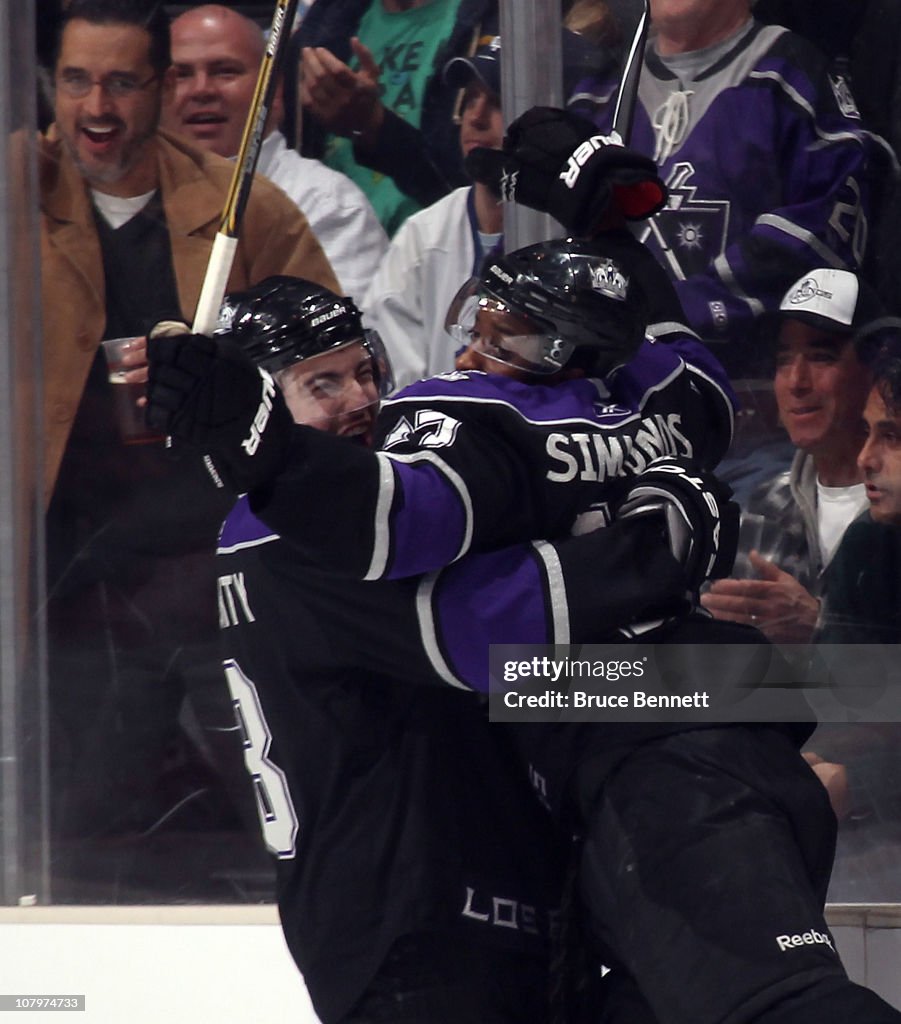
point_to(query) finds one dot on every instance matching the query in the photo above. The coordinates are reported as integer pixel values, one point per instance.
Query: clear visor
(339, 390)
(381, 361)
(478, 319)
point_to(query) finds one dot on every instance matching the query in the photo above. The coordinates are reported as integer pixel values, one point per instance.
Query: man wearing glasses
(105, 166)
(128, 217)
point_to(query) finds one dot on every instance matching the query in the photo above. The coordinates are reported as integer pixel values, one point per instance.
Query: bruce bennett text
(581, 699)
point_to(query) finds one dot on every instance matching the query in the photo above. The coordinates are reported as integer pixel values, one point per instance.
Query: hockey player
(615, 400)
(460, 870)
(413, 885)
(748, 211)
(471, 460)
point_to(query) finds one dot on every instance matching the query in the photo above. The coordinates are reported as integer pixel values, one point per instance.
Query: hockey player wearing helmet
(381, 890)
(314, 661)
(564, 304)
(471, 461)
(634, 379)
(331, 371)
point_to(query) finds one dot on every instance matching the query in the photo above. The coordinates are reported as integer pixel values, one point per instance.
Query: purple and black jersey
(475, 461)
(314, 654)
(769, 171)
(392, 809)
(391, 803)
(472, 523)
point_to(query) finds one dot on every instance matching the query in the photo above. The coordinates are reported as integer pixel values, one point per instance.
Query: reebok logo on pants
(811, 938)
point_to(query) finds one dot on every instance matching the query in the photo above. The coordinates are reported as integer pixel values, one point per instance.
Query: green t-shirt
(404, 45)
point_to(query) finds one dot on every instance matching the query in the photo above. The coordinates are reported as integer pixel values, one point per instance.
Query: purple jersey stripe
(242, 527)
(444, 532)
(496, 598)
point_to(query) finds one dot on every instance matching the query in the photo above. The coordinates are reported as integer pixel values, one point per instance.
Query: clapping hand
(345, 101)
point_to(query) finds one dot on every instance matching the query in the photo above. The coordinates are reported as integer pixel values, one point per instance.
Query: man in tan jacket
(105, 147)
(128, 216)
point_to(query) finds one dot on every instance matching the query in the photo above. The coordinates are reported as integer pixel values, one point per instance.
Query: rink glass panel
(120, 772)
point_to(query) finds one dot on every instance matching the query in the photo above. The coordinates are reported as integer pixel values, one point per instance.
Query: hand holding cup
(126, 360)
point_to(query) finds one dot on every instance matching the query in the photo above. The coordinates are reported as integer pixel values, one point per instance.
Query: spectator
(862, 605)
(440, 247)
(863, 583)
(820, 384)
(749, 211)
(128, 215)
(217, 52)
(386, 121)
(861, 41)
(391, 118)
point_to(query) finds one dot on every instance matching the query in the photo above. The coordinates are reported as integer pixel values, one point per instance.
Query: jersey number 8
(277, 815)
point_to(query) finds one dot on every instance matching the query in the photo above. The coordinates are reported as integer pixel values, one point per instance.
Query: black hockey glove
(207, 392)
(557, 162)
(699, 519)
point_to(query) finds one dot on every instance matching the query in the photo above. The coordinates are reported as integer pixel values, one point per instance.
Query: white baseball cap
(833, 300)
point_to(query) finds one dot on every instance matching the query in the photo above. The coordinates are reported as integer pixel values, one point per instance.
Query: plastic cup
(129, 415)
(755, 533)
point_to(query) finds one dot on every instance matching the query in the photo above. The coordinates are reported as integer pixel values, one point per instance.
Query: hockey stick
(624, 112)
(225, 243)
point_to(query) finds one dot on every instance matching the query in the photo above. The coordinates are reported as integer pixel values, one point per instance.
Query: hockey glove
(557, 162)
(699, 519)
(207, 392)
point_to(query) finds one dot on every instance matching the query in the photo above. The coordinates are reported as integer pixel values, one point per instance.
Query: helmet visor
(478, 319)
(381, 361)
(339, 391)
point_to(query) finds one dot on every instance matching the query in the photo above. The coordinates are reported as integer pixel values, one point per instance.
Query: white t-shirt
(118, 210)
(837, 507)
(338, 213)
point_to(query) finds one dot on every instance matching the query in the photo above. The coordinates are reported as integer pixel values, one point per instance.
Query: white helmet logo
(610, 280)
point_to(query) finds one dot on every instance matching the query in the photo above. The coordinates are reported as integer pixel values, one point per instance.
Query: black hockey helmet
(588, 300)
(284, 320)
